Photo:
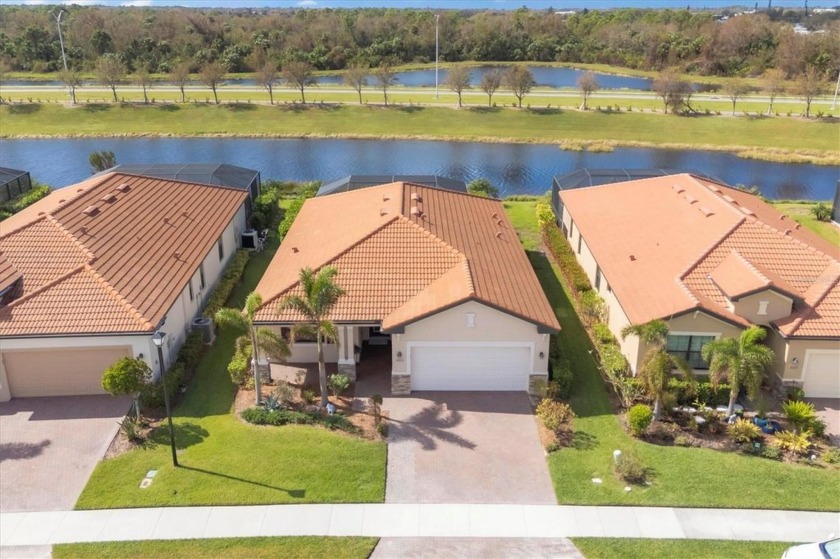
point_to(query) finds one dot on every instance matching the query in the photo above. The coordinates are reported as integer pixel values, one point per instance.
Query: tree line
(160, 40)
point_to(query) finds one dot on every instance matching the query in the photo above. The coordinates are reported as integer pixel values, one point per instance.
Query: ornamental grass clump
(795, 443)
(800, 414)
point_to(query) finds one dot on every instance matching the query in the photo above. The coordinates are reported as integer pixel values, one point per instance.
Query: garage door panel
(64, 372)
(475, 368)
(822, 374)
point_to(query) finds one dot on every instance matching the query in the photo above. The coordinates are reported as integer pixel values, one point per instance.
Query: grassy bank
(473, 124)
(694, 477)
(801, 212)
(302, 547)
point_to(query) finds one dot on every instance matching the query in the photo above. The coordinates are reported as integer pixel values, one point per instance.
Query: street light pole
(836, 90)
(437, 53)
(60, 37)
(158, 338)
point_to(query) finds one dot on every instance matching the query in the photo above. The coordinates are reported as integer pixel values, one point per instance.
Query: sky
(439, 4)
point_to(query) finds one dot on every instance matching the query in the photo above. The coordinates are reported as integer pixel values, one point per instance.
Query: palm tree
(320, 294)
(656, 367)
(258, 338)
(741, 362)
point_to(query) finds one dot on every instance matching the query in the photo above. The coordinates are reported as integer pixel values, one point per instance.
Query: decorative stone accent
(348, 369)
(400, 384)
(537, 384)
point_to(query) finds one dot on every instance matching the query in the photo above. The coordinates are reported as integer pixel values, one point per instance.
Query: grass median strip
(610, 548)
(693, 477)
(302, 547)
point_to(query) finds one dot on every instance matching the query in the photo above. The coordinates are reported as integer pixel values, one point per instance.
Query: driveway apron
(465, 447)
(50, 446)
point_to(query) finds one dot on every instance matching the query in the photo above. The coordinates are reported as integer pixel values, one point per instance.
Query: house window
(201, 283)
(221, 245)
(580, 241)
(689, 348)
(470, 320)
(192, 295)
(571, 228)
(597, 278)
(762, 307)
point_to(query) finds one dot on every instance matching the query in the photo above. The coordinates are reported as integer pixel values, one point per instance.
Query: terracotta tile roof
(404, 251)
(699, 245)
(112, 253)
(8, 273)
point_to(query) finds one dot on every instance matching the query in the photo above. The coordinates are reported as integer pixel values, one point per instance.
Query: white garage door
(59, 372)
(822, 374)
(476, 368)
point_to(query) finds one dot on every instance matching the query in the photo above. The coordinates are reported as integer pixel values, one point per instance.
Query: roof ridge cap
(802, 244)
(468, 270)
(812, 307)
(752, 267)
(46, 286)
(716, 243)
(22, 226)
(166, 179)
(117, 296)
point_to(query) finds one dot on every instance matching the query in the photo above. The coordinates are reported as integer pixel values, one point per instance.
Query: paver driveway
(49, 447)
(465, 447)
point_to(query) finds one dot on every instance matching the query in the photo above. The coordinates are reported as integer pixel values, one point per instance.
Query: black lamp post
(157, 338)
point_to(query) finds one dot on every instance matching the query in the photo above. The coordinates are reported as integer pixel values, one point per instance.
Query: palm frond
(272, 343)
(252, 303)
(232, 318)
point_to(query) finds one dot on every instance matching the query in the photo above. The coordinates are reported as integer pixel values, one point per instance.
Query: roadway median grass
(784, 135)
(690, 477)
(225, 461)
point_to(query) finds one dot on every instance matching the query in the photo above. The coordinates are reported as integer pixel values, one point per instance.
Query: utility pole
(57, 17)
(437, 53)
(836, 91)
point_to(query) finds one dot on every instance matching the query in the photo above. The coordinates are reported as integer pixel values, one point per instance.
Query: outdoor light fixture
(795, 361)
(542, 355)
(157, 339)
(399, 356)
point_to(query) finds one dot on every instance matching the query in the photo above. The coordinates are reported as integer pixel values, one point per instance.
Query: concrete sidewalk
(413, 520)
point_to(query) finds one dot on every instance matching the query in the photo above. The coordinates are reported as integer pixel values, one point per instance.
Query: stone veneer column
(537, 383)
(400, 384)
(348, 369)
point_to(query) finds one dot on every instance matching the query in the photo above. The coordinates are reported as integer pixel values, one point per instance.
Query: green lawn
(230, 548)
(612, 548)
(690, 477)
(226, 461)
(801, 212)
(548, 126)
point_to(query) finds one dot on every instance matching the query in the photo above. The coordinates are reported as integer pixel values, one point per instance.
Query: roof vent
(632, 258)
(729, 199)
(385, 198)
(787, 231)
(295, 250)
(80, 190)
(690, 199)
(166, 220)
(109, 198)
(495, 215)
(83, 230)
(797, 226)
(178, 255)
(499, 222)
(415, 211)
(416, 196)
(706, 211)
(91, 211)
(714, 189)
(124, 187)
(498, 234)
(678, 188)
(782, 217)
(383, 211)
(746, 211)
(186, 214)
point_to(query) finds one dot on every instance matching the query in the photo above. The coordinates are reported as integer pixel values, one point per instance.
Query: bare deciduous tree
(735, 88)
(674, 91)
(267, 77)
(385, 78)
(144, 79)
(356, 77)
(587, 84)
(212, 74)
(490, 82)
(773, 84)
(72, 80)
(458, 80)
(519, 79)
(298, 74)
(809, 85)
(110, 71)
(180, 76)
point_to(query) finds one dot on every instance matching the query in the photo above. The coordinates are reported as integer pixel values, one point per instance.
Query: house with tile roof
(710, 260)
(438, 276)
(89, 273)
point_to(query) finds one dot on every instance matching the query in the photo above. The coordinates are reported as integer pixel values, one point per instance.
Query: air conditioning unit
(206, 327)
(250, 240)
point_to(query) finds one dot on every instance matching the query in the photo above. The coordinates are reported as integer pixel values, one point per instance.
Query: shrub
(278, 417)
(126, 375)
(639, 418)
(630, 469)
(831, 456)
(239, 368)
(799, 413)
(308, 396)
(192, 351)
(128, 426)
(682, 440)
(338, 384)
(821, 212)
(382, 429)
(795, 443)
(817, 427)
(688, 392)
(632, 390)
(796, 394)
(743, 431)
(555, 352)
(771, 453)
(152, 393)
(592, 306)
(283, 392)
(603, 334)
(230, 279)
(553, 414)
(562, 377)
(565, 256)
(545, 215)
(25, 199)
(482, 187)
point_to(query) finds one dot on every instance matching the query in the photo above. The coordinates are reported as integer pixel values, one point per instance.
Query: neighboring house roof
(108, 255)
(595, 177)
(405, 251)
(217, 174)
(355, 182)
(673, 244)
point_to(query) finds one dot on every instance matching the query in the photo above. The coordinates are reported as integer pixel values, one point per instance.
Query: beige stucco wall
(778, 307)
(795, 350)
(490, 326)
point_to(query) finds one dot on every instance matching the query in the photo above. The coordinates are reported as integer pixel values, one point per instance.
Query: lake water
(514, 168)
(544, 76)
